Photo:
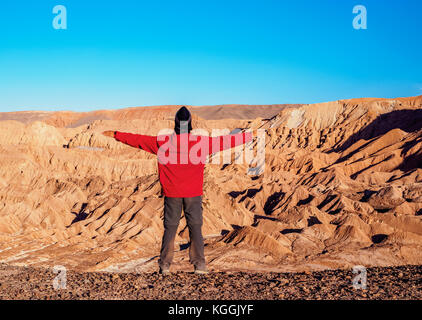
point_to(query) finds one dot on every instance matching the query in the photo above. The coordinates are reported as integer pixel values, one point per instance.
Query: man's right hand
(109, 133)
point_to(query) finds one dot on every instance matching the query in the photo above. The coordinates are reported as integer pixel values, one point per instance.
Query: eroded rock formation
(342, 186)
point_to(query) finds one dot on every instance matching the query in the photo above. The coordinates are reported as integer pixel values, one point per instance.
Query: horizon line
(207, 105)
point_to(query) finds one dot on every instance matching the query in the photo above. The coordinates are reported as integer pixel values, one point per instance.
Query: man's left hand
(109, 134)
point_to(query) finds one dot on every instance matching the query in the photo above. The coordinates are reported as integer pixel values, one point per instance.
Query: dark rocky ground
(403, 282)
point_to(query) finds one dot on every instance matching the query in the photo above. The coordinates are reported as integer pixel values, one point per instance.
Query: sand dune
(342, 186)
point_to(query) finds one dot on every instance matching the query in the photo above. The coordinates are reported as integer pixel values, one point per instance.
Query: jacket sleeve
(222, 143)
(147, 143)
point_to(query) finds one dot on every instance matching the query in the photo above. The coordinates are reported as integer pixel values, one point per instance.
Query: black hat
(183, 121)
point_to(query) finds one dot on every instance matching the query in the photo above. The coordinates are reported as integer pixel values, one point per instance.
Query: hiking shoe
(164, 271)
(201, 271)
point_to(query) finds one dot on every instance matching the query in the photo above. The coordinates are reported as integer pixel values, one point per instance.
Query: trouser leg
(193, 213)
(172, 213)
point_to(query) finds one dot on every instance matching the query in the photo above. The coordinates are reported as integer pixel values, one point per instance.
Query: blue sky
(125, 53)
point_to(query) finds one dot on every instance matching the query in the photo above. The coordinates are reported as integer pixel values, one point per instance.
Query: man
(181, 162)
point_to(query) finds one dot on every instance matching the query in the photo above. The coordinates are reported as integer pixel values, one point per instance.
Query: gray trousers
(192, 208)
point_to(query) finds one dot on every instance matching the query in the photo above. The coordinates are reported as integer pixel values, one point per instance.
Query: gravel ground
(403, 282)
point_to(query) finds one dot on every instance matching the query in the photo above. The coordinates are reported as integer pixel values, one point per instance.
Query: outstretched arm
(147, 143)
(221, 143)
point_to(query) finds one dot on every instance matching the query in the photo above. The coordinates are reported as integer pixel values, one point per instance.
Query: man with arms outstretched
(181, 161)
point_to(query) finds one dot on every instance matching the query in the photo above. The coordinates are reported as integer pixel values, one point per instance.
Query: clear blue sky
(134, 53)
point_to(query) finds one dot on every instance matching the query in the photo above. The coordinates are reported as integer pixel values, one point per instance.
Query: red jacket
(181, 158)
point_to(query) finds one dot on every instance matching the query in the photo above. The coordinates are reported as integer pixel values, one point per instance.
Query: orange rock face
(341, 186)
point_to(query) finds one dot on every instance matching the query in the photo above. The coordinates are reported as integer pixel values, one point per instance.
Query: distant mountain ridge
(74, 119)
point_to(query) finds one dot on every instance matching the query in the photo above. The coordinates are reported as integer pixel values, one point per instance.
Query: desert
(341, 187)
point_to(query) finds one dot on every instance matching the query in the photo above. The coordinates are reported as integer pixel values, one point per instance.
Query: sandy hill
(342, 186)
